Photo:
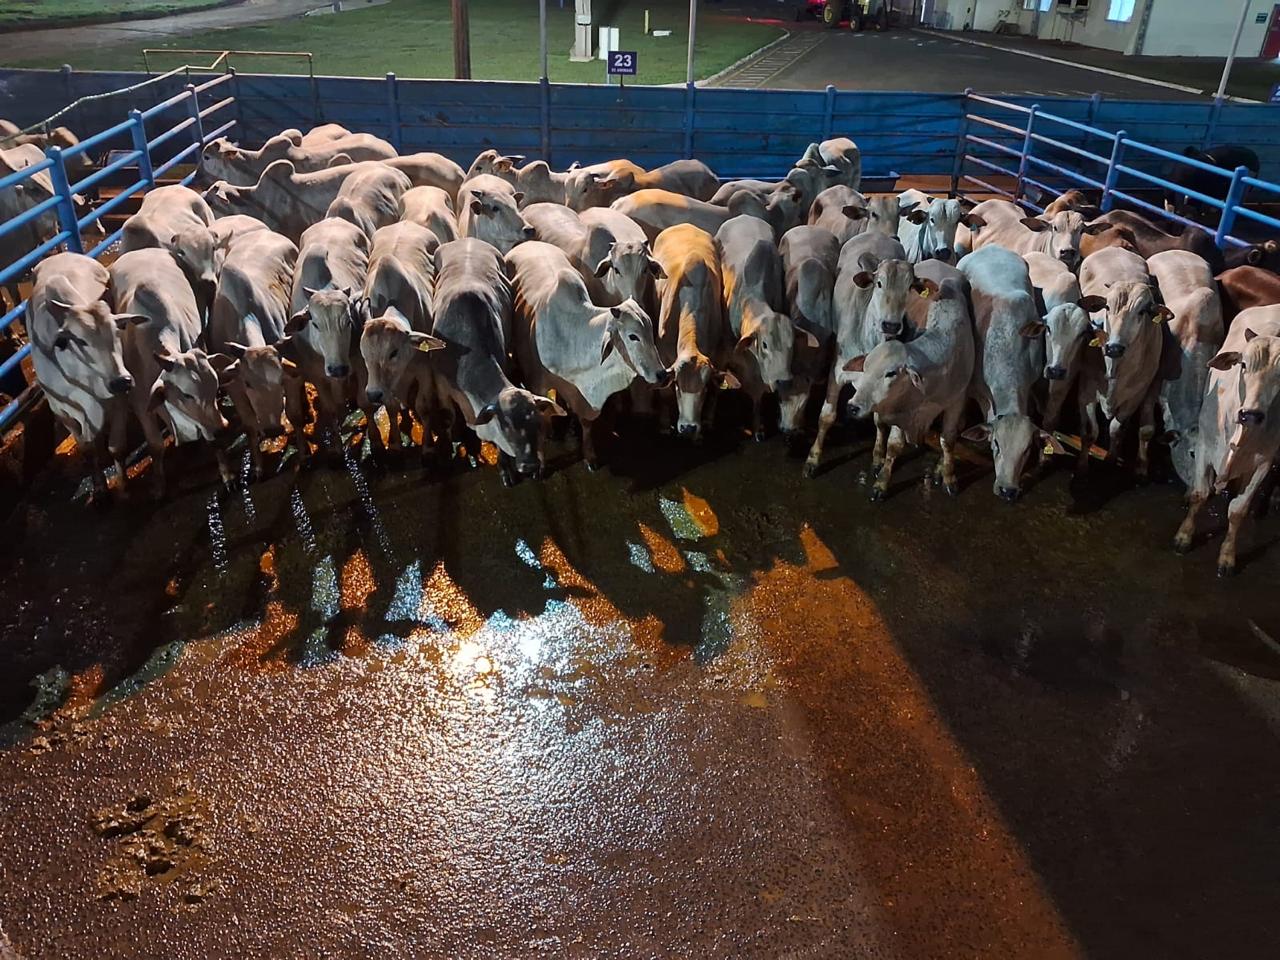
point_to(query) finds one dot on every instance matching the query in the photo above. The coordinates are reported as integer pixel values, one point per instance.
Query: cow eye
(891, 374)
(634, 338)
(393, 354)
(879, 285)
(995, 445)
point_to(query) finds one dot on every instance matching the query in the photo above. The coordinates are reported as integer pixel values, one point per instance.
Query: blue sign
(1275, 93)
(622, 63)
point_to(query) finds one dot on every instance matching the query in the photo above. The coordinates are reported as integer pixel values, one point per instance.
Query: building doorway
(1271, 47)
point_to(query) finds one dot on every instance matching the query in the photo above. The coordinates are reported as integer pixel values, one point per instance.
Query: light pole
(1235, 42)
(542, 35)
(693, 29)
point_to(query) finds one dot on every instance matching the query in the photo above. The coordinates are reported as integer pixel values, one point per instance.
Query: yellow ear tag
(424, 347)
(1048, 449)
(551, 395)
(926, 293)
(1095, 342)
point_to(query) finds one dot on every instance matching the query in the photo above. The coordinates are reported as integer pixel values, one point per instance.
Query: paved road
(690, 706)
(907, 60)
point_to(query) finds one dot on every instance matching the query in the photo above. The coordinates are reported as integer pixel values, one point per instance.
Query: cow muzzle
(781, 385)
(1251, 417)
(119, 386)
(374, 395)
(665, 378)
(1008, 494)
(338, 371)
(1070, 257)
(1114, 350)
(891, 329)
(687, 430)
(1055, 373)
(944, 253)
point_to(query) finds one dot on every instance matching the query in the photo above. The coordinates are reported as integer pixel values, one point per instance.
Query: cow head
(516, 422)
(1012, 437)
(587, 188)
(937, 225)
(331, 319)
(187, 389)
(629, 269)
(196, 251)
(1059, 235)
(388, 345)
(221, 159)
(891, 284)
(495, 220)
(770, 339)
(694, 375)
(1259, 387)
(1066, 329)
(88, 347)
(1265, 255)
(784, 207)
(257, 375)
(887, 380)
(628, 331)
(1129, 311)
(496, 165)
(881, 214)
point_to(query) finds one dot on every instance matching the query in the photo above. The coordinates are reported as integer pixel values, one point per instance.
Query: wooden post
(461, 41)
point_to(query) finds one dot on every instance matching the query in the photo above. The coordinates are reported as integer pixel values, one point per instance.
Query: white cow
(928, 227)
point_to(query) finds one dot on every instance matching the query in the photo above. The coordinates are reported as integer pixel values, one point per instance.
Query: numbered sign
(622, 63)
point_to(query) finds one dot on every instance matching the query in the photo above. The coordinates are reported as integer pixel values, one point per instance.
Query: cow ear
(486, 413)
(58, 308)
(1092, 303)
(229, 372)
(856, 365)
(1225, 360)
(925, 287)
(917, 216)
(1034, 225)
(1093, 229)
(1052, 445)
(297, 322)
(62, 339)
(1032, 329)
(603, 267)
(1254, 256)
(914, 376)
(655, 268)
(165, 360)
(809, 339)
(503, 165)
(973, 221)
(549, 407)
(864, 279)
(727, 380)
(236, 350)
(1162, 314)
(518, 196)
(156, 399)
(1249, 334)
(854, 212)
(606, 346)
(285, 347)
(477, 207)
(979, 434)
(280, 170)
(746, 342)
(425, 342)
(220, 361)
(125, 319)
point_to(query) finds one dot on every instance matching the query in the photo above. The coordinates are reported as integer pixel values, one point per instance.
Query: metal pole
(393, 111)
(461, 41)
(1113, 172)
(138, 131)
(66, 206)
(1227, 222)
(693, 30)
(542, 34)
(1235, 43)
(1026, 152)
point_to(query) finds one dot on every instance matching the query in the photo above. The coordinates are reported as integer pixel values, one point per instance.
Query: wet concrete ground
(690, 706)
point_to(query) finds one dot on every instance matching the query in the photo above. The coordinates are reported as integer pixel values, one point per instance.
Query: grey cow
(177, 219)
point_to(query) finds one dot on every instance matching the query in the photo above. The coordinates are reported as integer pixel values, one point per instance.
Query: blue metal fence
(1008, 147)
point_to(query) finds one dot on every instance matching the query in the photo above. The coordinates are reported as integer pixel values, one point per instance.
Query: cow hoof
(810, 470)
(952, 489)
(760, 436)
(1182, 545)
(1142, 479)
(877, 494)
(1226, 570)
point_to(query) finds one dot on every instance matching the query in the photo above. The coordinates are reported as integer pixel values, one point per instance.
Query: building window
(1121, 10)
(1031, 5)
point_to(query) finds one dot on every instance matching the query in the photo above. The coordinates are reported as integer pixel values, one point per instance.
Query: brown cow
(1245, 287)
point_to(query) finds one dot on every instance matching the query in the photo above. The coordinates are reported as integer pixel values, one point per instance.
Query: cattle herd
(323, 271)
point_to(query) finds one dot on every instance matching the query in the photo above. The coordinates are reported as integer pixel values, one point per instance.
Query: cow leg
(897, 442)
(757, 414)
(1196, 499)
(256, 459)
(826, 419)
(117, 440)
(1115, 436)
(947, 441)
(592, 431)
(1237, 510)
(877, 451)
(1053, 406)
(1146, 430)
(155, 446)
(295, 408)
(224, 465)
(1088, 435)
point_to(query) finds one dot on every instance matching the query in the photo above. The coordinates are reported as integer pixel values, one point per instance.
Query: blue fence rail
(1119, 148)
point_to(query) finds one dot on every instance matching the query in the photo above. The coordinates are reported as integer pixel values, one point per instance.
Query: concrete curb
(58, 23)
(1079, 66)
(742, 61)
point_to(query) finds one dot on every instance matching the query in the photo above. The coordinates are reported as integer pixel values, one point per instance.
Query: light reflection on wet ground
(689, 707)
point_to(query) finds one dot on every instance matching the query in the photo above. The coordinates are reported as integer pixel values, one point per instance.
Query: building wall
(1194, 28)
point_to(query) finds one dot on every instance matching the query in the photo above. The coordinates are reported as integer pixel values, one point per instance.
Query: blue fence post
(1027, 141)
(235, 92)
(1113, 170)
(689, 114)
(66, 206)
(961, 141)
(197, 123)
(138, 130)
(1228, 219)
(393, 111)
(828, 118)
(544, 104)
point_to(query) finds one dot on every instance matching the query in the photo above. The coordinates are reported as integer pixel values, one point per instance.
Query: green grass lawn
(13, 12)
(413, 38)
